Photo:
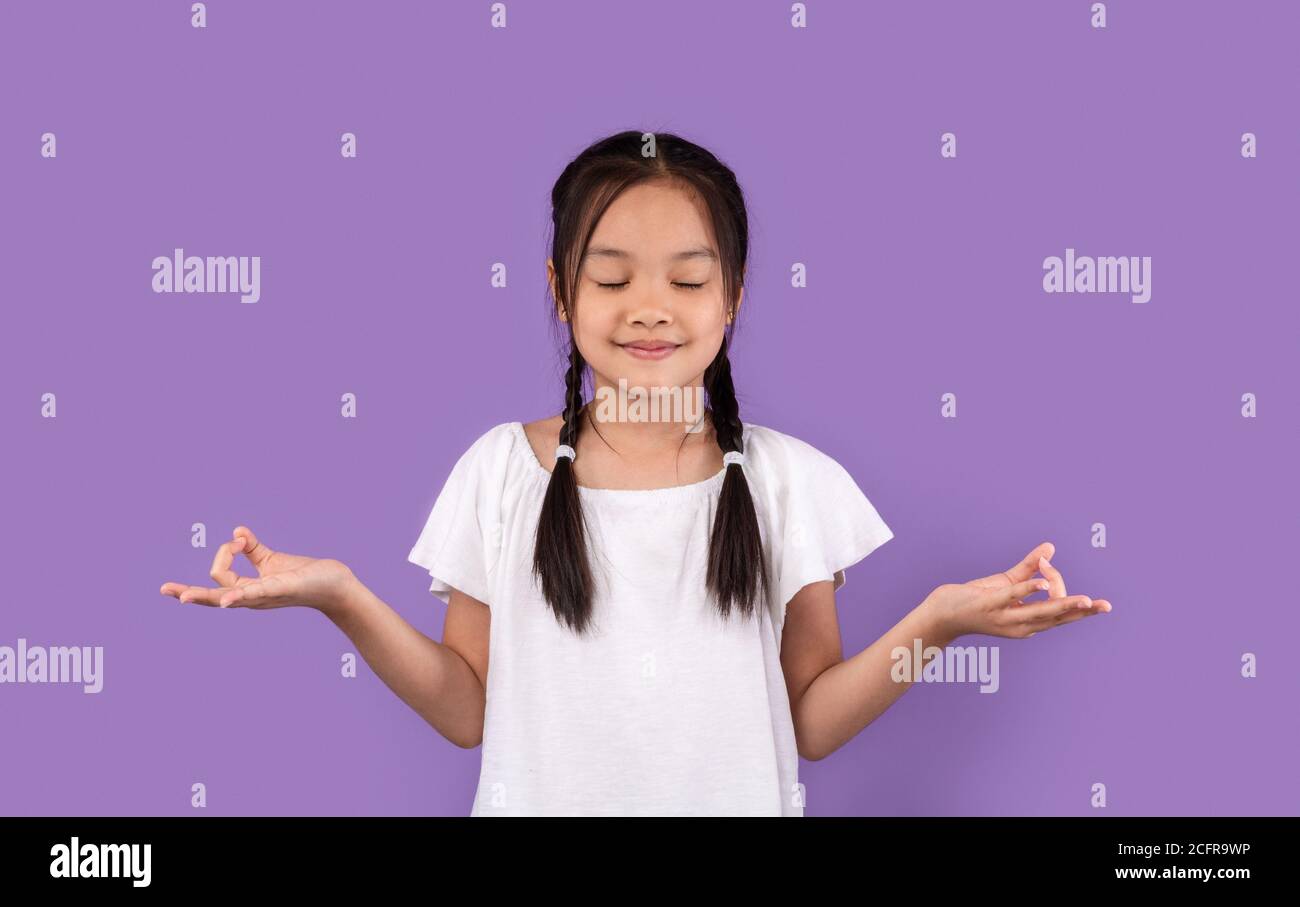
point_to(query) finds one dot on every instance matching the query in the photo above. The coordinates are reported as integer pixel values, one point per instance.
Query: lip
(650, 349)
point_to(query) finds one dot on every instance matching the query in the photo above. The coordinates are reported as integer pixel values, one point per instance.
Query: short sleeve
(829, 523)
(461, 538)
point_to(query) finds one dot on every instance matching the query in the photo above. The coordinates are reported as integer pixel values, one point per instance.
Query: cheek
(712, 315)
(704, 352)
(595, 328)
(708, 324)
(594, 335)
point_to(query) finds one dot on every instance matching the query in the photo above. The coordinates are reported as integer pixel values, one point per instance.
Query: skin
(831, 698)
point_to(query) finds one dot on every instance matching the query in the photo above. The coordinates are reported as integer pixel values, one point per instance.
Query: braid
(736, 564)
(560, 552)
(722, 403)
(572, 396)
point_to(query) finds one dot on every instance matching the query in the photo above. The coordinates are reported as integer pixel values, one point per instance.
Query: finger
(1053, 576)
(1097, 607)
(1014, 593)
(175, 589)
(1026, 568)
(1074, 614)
(254, 550)
(200, 595)
(1052, 608)
(1070, 615)
(220, 572)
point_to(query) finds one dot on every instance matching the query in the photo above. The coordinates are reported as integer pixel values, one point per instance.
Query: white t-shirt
(661, 708)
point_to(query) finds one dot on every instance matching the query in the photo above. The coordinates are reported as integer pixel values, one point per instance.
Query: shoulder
(542, 437)
(777, 455)
(788, 473)
(490, 454)
(822, 522)
(501, 436)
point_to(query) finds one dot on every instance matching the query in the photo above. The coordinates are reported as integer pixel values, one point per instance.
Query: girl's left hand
(993, 605)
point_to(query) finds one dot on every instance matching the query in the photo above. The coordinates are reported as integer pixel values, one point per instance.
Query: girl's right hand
(282, 579)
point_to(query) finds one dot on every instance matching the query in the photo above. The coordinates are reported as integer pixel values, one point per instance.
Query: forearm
(848, 696)
(428, 676)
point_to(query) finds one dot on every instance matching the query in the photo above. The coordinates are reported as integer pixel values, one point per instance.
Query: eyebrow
(621, 254)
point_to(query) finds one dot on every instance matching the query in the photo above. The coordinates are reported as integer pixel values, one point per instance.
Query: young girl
(641, 611)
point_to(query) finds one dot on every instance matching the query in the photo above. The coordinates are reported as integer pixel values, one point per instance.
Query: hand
(993, 605)
(282, 579)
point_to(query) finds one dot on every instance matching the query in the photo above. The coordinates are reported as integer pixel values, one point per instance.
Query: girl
(641, 602)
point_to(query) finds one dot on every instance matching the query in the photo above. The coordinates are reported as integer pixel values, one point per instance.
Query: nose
(650, 311)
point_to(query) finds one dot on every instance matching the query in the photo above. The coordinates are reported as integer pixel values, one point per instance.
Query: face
(651, 275)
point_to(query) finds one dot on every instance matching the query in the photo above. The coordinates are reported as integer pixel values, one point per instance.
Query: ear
(740, 297)
(550, 279)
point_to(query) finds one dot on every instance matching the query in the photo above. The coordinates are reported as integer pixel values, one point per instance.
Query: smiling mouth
(649, 350)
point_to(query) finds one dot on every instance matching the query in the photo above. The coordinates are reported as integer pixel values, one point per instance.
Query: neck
(635, 420)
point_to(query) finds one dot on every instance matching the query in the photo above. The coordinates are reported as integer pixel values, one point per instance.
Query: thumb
(253, 549)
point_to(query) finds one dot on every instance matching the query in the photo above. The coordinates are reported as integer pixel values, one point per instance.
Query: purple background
(924, 278)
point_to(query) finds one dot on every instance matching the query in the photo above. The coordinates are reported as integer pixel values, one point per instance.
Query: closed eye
(618, 286)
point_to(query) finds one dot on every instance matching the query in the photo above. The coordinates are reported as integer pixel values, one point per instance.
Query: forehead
(653, 222)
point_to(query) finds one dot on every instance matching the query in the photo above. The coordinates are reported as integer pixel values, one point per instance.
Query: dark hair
(582, 194)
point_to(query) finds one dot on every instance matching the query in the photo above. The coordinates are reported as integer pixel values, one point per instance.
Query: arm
(443, 682)
(832, 699)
